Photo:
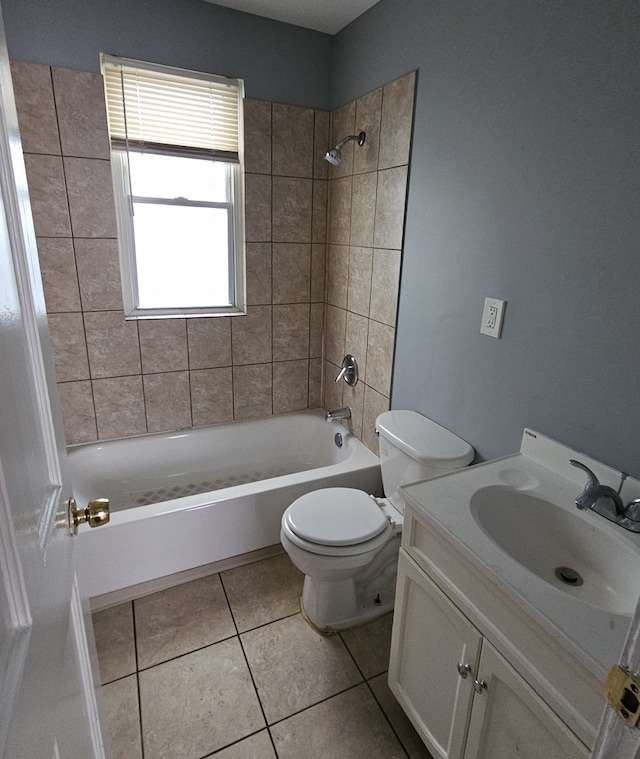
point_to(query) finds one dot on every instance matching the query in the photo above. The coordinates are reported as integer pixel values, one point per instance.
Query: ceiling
(329, 16)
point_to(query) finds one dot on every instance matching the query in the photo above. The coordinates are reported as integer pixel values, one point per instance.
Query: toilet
(346, 542)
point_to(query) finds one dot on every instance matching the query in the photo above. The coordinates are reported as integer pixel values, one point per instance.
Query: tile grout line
(135, 650)
(244, 653)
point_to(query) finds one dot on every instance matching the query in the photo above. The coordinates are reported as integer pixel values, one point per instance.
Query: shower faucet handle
(349, 370)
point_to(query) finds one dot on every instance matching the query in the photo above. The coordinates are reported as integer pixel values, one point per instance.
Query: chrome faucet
(341, 413)
(606, 501)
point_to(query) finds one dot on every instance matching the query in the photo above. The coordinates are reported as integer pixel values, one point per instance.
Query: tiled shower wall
(365, 232)
(119, 378)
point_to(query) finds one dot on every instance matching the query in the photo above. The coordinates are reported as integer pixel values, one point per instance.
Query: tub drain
(568, 576)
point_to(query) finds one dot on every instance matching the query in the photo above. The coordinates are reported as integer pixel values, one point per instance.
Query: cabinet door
(510, 720)
(430, 638)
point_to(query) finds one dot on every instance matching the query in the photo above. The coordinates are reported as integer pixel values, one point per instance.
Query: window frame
(124, 215)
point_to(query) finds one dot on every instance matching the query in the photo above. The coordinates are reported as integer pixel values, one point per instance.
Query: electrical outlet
(492, 317)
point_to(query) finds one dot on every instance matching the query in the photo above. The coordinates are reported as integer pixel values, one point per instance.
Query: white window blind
(155, 107)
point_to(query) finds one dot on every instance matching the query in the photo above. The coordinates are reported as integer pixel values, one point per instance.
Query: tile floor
(226, 667)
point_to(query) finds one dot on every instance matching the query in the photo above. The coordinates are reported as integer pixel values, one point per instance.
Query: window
(176, 158)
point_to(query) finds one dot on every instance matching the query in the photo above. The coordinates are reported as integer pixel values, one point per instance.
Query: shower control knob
(96, 514)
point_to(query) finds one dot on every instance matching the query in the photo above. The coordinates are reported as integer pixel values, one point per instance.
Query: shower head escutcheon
(334, 156)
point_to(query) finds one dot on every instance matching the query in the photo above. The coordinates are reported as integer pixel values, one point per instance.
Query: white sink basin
(544, 538)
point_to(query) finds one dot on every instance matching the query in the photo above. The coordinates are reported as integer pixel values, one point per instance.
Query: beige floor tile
(181, 619)
(263, 592)
(198, 703)
(401, 724)
(347, 726)
(370, 645)
(294, 667)
(113, 630)
(258, 746)
(122, 716)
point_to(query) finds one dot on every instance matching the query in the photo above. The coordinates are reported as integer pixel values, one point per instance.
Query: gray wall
(279, 62)
(524, 186)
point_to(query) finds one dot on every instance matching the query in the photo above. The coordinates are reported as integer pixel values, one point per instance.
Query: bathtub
(186, 499)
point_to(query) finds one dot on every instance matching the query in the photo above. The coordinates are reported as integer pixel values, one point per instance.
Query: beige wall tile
(209, 342)
(290, 386)
(112, 343)
(167, 401)
(82, 116)
(321, 144)
(333, 391)
(257, 194)
(335, 325)
(363, 209)
(252, 391)
(318, 266)
(257, 136)
(258, 273)
(211, 396)
(368, 115)
(59, 276)
(48, 194)
(380, 357)
(251, 336)
(374, 404)
(359, 290)
(78, 413)
(385, 281)
(316, 329)
(320, 201)
(163, 345)
(343, 123)
(353, 397)
(36, 109)
(98, 265)
(292, 144)
(397, 119)
(292, 209)
(69, 346)
(356, 339)
(290, 332)
(90, 192)
(119, 403)
(291, 272)
(315, 383)
(390, 201)
(340, 210)
(338, 275)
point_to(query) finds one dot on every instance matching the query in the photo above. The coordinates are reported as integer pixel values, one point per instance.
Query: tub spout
(341, 413)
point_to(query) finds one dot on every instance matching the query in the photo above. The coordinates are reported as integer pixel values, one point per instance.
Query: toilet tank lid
(424, 440)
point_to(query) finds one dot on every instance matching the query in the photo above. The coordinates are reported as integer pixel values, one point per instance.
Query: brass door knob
(96, 514)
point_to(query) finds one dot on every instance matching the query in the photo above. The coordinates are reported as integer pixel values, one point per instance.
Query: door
(47, 692)
(509, 719)
(435, 651)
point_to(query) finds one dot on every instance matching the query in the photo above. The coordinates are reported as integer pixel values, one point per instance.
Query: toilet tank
(414, 448)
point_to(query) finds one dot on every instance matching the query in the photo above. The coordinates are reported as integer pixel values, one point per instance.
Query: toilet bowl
(346, 542)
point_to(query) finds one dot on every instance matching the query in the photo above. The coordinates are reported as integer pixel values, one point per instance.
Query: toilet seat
(336, 522)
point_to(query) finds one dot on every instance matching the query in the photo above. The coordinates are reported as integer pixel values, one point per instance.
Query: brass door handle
(96, 514)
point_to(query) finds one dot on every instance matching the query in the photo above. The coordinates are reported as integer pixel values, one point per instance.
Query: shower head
(334, 156)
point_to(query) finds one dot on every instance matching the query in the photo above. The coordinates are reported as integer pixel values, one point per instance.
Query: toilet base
(333, 606)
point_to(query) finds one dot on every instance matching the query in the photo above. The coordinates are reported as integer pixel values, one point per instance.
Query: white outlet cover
(492, 316)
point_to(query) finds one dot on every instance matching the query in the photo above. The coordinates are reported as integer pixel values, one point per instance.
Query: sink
(560, 546)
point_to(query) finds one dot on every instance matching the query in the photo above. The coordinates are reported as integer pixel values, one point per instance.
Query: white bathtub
(185, 499)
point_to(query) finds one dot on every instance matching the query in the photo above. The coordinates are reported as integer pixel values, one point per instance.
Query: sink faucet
(606, 501)
(341, 413)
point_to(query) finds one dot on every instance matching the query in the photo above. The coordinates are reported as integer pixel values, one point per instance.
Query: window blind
(149, 105)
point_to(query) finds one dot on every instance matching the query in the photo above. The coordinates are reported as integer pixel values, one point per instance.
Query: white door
(47, 691)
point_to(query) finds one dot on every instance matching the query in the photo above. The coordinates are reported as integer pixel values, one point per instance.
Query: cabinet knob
(464, 670)
(479, 686)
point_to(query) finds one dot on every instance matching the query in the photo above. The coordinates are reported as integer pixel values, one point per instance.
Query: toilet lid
(335, 517)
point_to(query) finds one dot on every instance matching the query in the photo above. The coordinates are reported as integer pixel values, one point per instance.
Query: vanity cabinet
(464, 698)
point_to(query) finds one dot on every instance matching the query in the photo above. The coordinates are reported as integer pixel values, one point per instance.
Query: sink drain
(568, 576)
